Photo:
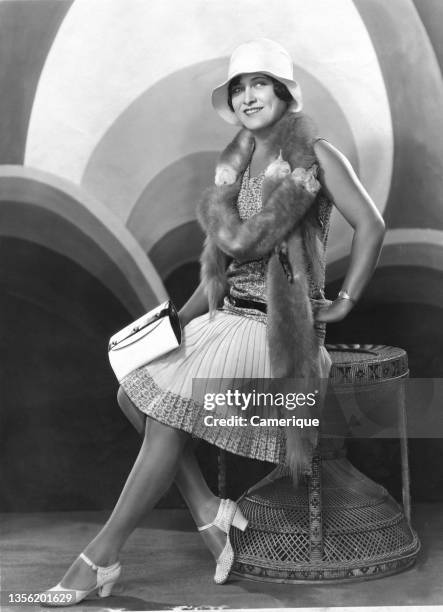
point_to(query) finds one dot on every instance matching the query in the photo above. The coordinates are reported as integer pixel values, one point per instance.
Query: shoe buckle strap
(216, 521)
(223, 519)
(101, 571)
(88, 561)
(203, 527)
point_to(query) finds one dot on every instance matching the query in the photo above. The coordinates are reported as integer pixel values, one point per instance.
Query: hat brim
(220, 97)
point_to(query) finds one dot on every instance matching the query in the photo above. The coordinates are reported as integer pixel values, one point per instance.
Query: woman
(265, 246)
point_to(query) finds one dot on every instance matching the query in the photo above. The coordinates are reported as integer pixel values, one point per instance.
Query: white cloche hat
(258, 55)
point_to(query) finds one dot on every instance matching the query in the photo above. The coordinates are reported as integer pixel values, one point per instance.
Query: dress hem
(176, 411)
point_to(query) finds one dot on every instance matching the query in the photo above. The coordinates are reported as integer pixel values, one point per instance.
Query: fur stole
(287, 229)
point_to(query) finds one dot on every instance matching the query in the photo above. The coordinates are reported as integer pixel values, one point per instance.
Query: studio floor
(166, 567)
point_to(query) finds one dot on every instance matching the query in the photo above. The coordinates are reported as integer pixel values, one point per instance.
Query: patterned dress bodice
(247, 280)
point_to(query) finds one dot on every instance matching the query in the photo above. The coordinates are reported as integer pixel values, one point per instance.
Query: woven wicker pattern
(362, 364)
(339, 525)
(355, 529)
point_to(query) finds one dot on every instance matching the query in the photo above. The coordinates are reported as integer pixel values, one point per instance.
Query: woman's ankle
(208, 511)
(101, 554)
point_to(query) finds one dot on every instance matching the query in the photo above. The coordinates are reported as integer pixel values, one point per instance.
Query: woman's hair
(280, 90)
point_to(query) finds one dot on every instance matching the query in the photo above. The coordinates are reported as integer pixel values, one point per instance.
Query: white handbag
(154, 334)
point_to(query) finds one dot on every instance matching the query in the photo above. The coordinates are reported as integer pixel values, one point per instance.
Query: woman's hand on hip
(336, 311)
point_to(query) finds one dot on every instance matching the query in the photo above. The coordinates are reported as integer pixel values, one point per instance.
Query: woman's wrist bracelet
(344, 295)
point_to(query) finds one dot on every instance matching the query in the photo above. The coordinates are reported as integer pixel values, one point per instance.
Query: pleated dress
(217, 355)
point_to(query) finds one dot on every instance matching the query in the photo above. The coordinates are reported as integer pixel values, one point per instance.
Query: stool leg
(222, 473)
(402, 426)
(315, 512)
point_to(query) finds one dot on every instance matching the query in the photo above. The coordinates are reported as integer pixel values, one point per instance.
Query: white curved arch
(107, 53)
(401, 247)
(95, 221)
(430, 240)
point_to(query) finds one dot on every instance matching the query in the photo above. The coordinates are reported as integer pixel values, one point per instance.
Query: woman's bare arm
(350, 197)
(194, 307)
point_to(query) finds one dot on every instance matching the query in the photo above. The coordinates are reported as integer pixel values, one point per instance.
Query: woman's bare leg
(152, 474)
(202, 503)
(164, 451)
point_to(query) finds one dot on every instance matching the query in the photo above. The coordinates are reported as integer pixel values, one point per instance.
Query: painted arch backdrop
(108, 138)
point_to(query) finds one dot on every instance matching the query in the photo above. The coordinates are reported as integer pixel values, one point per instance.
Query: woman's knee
(131, 412)
(123, 400)
(159, 431)
(125, 404)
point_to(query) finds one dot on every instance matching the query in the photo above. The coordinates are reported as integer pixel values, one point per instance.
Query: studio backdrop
(107, 139)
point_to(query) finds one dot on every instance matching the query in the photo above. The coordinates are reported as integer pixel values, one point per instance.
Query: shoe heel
(239, 520)
(105, 590)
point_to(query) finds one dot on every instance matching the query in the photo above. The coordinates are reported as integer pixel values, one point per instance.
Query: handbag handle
(136, 337)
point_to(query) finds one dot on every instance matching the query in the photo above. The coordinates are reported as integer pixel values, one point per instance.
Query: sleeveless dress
(217, 354)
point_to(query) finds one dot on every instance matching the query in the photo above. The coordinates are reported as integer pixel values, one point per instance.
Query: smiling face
(255, 102)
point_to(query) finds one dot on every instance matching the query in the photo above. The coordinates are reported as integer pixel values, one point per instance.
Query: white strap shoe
(106, 578)
(228, 514)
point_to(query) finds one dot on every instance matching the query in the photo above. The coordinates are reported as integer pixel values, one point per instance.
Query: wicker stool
(340, 525)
